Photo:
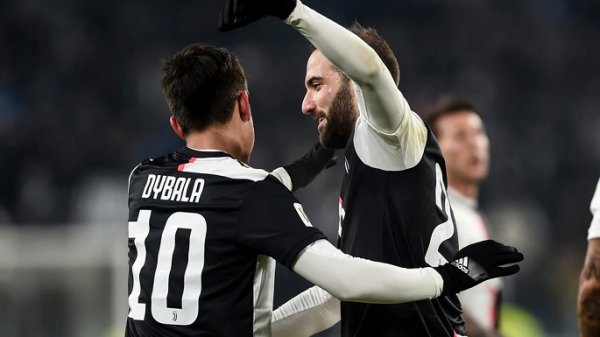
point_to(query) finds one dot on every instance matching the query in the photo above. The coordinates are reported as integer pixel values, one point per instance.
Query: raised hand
(238, 13)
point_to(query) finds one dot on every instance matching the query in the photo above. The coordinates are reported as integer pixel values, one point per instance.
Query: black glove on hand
(305, 169)
(476, 263)
(238, 13)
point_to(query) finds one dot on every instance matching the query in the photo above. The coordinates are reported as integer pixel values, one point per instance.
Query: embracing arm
(310, 312)
(346, 278)
(354, 279)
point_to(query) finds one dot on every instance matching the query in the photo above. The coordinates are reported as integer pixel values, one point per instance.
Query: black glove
(305, 169)
(238, 13)
(476, 263)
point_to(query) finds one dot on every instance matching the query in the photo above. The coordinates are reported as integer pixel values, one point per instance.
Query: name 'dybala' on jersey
(173, 189)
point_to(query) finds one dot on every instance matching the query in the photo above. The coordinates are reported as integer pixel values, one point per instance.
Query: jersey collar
(204, 153)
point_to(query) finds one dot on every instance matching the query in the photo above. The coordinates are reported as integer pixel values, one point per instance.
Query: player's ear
(176, 127)
(243, 102)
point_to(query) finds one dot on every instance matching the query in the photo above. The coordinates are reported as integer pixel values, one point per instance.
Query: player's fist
(238, 13)
(478, 262)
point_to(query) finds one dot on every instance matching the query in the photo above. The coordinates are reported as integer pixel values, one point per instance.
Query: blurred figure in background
(588, 300)
(465, 145)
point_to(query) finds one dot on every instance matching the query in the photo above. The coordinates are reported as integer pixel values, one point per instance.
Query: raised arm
(389, 135)
(385, 107)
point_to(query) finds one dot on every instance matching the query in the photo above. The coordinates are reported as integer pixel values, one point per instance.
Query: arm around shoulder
(352, 279)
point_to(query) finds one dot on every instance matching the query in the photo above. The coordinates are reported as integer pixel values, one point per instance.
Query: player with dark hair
(461, 135)
(393, 204)
(205, 229)
(588, 299)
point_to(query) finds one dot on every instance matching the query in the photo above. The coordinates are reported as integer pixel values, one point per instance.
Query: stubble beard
(341, 119)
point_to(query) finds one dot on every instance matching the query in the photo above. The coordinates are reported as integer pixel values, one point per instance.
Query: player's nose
(308, 104)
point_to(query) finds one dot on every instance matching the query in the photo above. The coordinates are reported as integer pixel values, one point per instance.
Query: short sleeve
(594, 231)
(273, 223)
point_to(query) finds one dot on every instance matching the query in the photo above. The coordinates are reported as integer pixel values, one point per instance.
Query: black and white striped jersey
(202, 230)
(401, 217)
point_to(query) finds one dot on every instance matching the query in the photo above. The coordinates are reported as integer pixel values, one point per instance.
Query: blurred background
(80, 106)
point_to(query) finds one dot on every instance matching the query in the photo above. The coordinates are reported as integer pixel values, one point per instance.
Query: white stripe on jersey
(130, 175)
(225, 167)
(264, 283)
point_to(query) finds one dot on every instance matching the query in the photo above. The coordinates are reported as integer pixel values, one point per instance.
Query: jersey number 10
(138, 230)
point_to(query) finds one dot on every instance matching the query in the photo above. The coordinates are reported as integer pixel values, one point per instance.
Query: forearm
(588, 299)
(359, 280)
(312, 311)
(362, 64)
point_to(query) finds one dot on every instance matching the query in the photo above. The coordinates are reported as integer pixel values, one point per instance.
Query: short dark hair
(200, 84)
(379, 44)
(381, 47)
(448, 106)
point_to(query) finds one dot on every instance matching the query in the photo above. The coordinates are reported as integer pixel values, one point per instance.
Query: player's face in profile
(465, 146)
(330, 101)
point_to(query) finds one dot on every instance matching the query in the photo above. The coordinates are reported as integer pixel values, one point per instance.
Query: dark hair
(381, 47)
(200, 84)
(379, 44)
(447, 106)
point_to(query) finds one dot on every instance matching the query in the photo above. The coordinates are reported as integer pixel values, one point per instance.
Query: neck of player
(466, 188)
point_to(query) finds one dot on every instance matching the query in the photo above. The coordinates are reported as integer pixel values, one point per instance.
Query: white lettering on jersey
(170, 188)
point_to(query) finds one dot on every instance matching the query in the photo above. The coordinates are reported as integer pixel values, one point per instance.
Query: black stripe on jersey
(179, 266)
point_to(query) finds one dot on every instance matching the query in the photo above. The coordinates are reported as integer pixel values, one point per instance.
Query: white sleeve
(311, 312)
(359, 280)
(594, 231)
(384, 112)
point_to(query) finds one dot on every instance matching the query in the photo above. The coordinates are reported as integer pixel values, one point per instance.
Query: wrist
(449, 285)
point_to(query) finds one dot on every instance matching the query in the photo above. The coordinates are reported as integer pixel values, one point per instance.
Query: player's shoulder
(224, 166)
(204, 162)
(398, 151)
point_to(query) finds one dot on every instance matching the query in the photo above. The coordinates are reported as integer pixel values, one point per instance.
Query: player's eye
(315, 85)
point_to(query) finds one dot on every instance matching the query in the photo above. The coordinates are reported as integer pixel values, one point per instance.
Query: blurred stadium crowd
(80, 105)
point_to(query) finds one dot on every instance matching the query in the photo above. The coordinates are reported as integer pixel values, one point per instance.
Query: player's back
(195, 260)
